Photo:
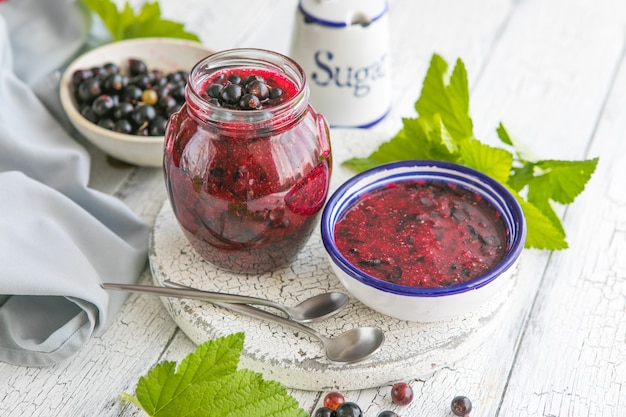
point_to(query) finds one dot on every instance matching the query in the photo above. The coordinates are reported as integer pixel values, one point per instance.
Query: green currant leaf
(541, 231)
(125, 24)
(450, 100)
(522, 152)
(492, 161)
(521, 176)
(210, 361)
(562, 181)
(207, 383)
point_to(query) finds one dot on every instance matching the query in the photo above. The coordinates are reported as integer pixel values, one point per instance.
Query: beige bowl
(166, 54)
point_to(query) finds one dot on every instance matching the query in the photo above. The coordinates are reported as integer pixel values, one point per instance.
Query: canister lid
(341, 13)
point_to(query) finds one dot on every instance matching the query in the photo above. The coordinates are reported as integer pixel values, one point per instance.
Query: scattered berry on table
(137, 102)
(387, 413)
(401, 393)
(324, 412)
(333, 400)
(461, 406)
(348, 409)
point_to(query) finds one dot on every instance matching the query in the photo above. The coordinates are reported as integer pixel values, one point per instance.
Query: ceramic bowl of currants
(423, 240)
(119, 96)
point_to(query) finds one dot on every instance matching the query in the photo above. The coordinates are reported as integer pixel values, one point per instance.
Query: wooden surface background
(553, 71)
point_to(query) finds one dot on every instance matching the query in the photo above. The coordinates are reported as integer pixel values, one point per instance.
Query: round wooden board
(411, 349)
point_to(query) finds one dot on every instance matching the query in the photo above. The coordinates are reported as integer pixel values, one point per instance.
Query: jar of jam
(247, 160)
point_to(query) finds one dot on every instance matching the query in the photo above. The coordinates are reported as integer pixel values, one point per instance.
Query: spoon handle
(256, 313)
(192, 293)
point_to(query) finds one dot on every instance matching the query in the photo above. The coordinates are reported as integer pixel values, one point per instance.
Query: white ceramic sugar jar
(343, 46)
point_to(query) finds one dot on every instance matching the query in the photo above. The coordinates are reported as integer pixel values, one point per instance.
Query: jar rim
(279, 115)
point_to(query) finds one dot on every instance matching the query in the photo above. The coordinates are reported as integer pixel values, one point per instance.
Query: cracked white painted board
(410, 350)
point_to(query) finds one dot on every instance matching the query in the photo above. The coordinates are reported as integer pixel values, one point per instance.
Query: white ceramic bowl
(420, 303)
(166, 54)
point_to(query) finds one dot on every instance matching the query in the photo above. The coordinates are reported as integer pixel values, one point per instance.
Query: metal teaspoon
(352, 346)
(318, 307)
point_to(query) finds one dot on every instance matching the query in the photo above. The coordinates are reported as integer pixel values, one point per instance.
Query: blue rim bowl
(356, 281)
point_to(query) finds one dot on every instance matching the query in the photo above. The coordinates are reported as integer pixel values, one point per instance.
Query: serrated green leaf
(521, 176)
(208, 383)
(562, 181)
(448, 98)
(494, 162)
(211, 360)
(541, 232)
(522, 152)
(126, 24)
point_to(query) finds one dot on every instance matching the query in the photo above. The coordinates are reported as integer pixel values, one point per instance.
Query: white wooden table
(553, 71)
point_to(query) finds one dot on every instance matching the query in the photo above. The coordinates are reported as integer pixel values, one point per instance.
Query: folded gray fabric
(59, 239)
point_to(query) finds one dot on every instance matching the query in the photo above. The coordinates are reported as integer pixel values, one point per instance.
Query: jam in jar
(247, 160)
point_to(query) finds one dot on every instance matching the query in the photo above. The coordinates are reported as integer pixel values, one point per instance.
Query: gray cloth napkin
(59, 239)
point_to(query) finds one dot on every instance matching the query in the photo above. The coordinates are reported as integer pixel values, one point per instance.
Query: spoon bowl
(352, 346)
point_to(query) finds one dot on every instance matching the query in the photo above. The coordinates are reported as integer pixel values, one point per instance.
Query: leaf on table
(207, 382)
(448, 98)
(562, 181)
(523, 152)
(541, 232)
(421, 138)
(494, 162)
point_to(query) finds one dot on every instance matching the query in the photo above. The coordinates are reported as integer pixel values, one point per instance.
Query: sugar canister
(343, 46)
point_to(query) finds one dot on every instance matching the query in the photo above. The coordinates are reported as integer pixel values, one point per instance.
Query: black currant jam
(422, 234)
(247, 161)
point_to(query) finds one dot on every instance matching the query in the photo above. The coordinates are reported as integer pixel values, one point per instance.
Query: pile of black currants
(137, 101)
(243, 93)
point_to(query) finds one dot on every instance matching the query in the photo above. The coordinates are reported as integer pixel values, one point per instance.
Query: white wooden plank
(577, 329)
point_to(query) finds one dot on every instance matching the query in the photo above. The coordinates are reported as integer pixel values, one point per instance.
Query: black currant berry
(88, 113)
(324, 412)
(88, 90)
(131, 94)
(276, 92)
(157, 126)
(461, 406)
(136, 66)
(103, 105)
(143, 114)
(111, 68)
(231, 94)
(387, 413)
(234, 78)
(123, 126)
(259, 89)
(349, 409)
(214, 90)
(81, 75)
(114, 83)
(106, 123)
(123, 110)
(249, 102)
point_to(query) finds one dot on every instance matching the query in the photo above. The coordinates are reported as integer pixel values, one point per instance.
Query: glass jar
(247, 186)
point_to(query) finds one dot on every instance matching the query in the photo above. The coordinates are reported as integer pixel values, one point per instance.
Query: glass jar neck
(272, 118)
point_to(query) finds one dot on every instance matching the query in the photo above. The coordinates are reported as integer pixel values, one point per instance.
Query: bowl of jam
(423, 240)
